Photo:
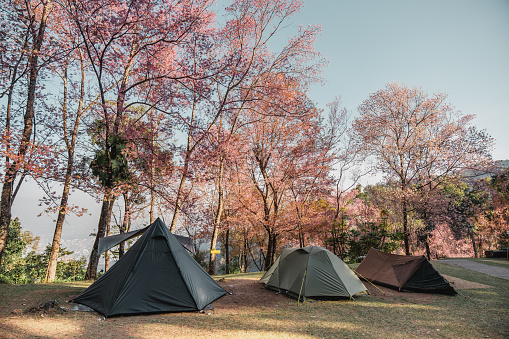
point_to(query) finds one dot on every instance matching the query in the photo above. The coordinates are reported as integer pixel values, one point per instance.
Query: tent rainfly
(156, 275)
(403, 272)
(106, 243)
(312, 272)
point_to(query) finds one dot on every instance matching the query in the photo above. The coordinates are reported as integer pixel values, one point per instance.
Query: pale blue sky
(460, 47)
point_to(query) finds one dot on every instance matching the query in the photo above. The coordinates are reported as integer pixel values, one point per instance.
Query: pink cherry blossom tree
(418, 140)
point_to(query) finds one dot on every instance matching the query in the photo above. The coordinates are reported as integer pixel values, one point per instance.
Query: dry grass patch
(502, 262)
(460, 284)
(254, 312)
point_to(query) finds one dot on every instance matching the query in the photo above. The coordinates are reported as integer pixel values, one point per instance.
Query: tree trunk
(101, 229)
(243, 258)
(11, 171)
(334, 239)
(406, 233)
(6, 196)
(178, 202)
(5, 214)
(151, 212)
(227, 251)
(107, 253)
(152, 174)
(213, 244)
(55, 246)
(185, 171)
(472, 238)
(217, 219)
(271, 249)
(428, 251)
(125, 225)
(479, 247)
(152, 203)
(261, 258)
(301, 237)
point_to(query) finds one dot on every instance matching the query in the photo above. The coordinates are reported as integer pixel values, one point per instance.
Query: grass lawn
(502, 262)
(473, 313)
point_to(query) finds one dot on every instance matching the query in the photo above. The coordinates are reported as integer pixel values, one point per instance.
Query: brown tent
(404, 272)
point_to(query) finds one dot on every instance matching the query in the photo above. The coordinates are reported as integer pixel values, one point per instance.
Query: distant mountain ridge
(499, 164)
(502, 163)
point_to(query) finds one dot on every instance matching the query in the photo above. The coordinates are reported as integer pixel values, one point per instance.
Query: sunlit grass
(473, 313)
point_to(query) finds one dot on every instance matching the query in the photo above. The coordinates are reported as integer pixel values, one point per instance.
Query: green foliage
(500, 183)
(499, 215)
(351, 244)
(234, 266)
(15, 245)
(464, 204)
(110, 165)
(503, 240)
(20, 266)
(372, 235)
(70, 269)
(339, 236)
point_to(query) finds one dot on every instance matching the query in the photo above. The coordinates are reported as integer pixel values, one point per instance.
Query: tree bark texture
(472, 238)
(70, 143)
(125, 224)
(243, 256)
(271, 249)
(406, 233)
(227, 252)
(217, 219)
(101, 230)
(12, 170)
(428, 251)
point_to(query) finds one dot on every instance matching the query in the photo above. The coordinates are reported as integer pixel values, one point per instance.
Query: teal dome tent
(312, 272)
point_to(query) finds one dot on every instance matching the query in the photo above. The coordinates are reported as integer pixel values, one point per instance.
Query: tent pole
(301, 285)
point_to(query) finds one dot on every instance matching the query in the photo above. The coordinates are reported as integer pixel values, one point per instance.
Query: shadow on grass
(473, 313)
(20, 297)
(468, 315)
(350, 319)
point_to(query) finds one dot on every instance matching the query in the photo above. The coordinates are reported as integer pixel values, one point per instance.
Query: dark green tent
(403, 272)
(312, 272)
(156, 275)
(106, 243)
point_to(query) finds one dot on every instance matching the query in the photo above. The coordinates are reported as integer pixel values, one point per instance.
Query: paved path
(496, 271)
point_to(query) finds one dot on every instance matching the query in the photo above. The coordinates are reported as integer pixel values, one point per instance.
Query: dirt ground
(456, 283)
(251, 294)
(248, 296)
